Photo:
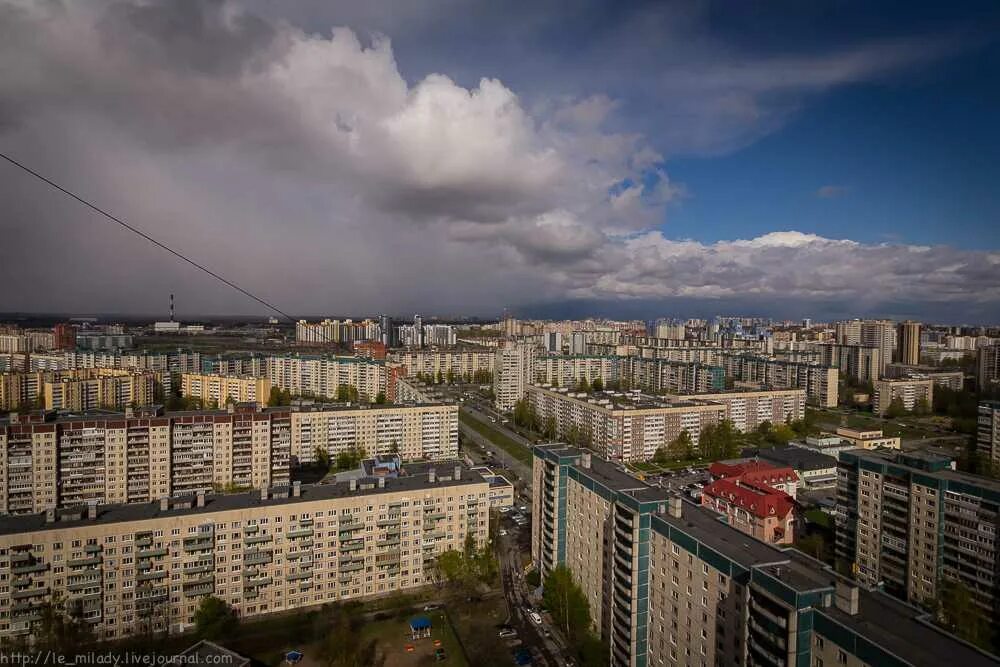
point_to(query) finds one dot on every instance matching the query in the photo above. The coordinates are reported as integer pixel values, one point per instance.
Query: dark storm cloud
(304, 165)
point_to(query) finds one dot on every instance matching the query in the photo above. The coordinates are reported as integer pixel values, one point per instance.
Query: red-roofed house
(752, 471)
(756, 509)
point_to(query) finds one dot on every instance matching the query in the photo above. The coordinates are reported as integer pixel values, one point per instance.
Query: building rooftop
(711, 529)
(907, 632)
(798, 458)
(413, 477)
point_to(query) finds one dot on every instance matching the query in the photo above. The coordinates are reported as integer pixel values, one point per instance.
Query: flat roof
(710, 528)
(414, 478)
(906, 632)
(799, 458)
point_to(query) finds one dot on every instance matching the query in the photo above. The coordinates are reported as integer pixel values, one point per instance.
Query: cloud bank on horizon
(306, 167)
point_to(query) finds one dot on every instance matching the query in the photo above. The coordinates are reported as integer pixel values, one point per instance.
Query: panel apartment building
(80, 389)
(221, 389)
(413, 431)
(463, 363)
(910, 392)
(48, 461)
(749, 409)
(624, 428)
(988, 431)
(669, 583)
(134, 569)
(315, 375)
(909, 522)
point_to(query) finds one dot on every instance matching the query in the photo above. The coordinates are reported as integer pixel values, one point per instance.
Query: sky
(785, 159)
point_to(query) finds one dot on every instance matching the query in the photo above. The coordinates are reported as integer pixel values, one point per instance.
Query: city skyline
(788, 162)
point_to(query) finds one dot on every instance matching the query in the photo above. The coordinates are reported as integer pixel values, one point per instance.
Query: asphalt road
(547, 650)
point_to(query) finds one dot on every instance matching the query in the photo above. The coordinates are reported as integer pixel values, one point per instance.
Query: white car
(503, 533)
(535, 618)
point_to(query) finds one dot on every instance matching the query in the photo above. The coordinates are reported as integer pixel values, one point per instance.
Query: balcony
(26, 593)
(352, 546)
(84, 562)
(203, 588)
(198, 543)
(299, 576)
(199, 567)
(257, 557)
(257, 539)
(151, 576)
(31, 567)
(300, 532)
(352, 568)
(151, 553)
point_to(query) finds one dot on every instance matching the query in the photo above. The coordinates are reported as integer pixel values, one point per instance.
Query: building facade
(322, 376)
(909, 523)
(908, 343)
(620, 428)
(218, 390)
(131, 570)
(411, 431)
(513, 371)
(48, 463)
(988, 431)
(669, 583)
(911, 392)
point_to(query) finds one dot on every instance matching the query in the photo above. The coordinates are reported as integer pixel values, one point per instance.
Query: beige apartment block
(749, 409)
(412, 431)
(131, 569)
(623, 427)
(221, 389)
(48, 462)
(910, 391)
(321, 376)
(462, 363)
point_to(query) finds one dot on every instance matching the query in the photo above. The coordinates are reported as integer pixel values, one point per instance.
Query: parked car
(535, 618)
(431, 607)
(507, 633)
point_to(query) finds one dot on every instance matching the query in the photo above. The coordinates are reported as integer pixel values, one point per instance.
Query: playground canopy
(420, 623)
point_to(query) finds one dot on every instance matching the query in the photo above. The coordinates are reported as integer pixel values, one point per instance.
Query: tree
(342, 644)
(895, 408)
(322, 458)
(681, 448)
(349, 458)
(214, 618)
(660, 456)
(597, 384)
(764, 428)
(549, 430)
(781, 434)
(58, 629)
(922, 408)
(380, 398)
(347, 393)
(583, 386)
(566, 602)
(957, 612)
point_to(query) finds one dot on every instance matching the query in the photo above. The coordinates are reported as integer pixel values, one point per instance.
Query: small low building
(815, 470)
(758, 510)
(757, 472)
(501, 489)
(206, 653)
(867, 439)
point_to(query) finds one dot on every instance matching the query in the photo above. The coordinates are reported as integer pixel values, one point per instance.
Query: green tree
(764, 428)
(322, 458)
(957, 612)
(59, 629)
(597, 384)
(380, 398)
(583, 386)
(895, 408)
(347, 393)
(681, 448)
(781, 434)
(342, 644)
(566, 602)
(922, 408)
(214, 618)
(275, 397)
(549, 429)
(660, 456)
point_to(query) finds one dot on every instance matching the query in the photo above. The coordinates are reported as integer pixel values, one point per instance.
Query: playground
(418, 639)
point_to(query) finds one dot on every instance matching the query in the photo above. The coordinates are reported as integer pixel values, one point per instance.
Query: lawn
(820, 518)
(392, 636)
(517, 450)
